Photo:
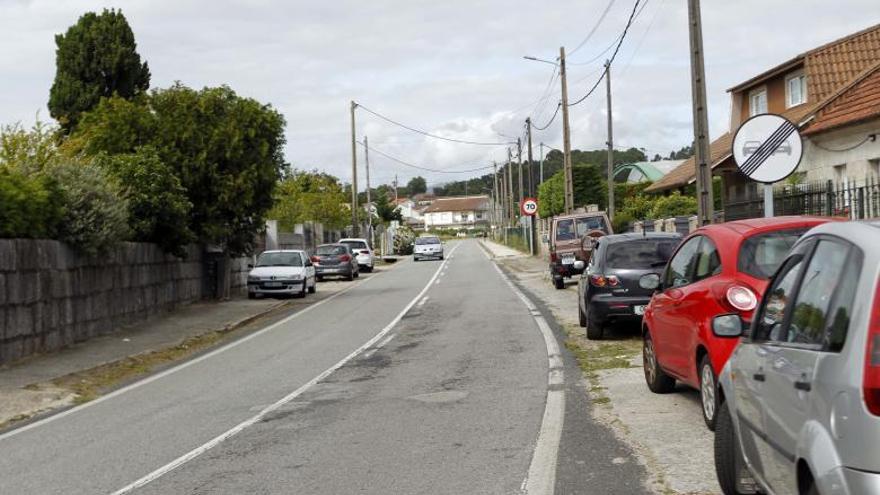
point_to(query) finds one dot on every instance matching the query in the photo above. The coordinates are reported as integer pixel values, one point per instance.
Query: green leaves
(95, 58)
(416, 185)
(312, 196)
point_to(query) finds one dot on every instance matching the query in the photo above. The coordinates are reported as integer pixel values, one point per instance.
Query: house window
(758, 102)
(796, 89)
(840, 173)
(874, 166)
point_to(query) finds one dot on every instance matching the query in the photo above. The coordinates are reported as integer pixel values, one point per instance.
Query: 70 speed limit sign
(529, 207)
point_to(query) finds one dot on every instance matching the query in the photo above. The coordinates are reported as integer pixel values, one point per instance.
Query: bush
(674, 205)
(622, 222)
(31, 206)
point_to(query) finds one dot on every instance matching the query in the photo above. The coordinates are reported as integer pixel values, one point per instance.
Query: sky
(453, 68)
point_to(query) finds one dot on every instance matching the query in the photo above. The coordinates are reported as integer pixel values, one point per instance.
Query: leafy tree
(97, 57)
(682, 154)
(386, 211)
(310, 197)
(31, 206)
(588, 188)
(674, 205)
(416, 185)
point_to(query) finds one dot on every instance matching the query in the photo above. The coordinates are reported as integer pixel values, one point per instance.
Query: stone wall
(52, 296)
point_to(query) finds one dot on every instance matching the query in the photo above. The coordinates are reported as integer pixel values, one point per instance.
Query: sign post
(767, 148)
(529, 207)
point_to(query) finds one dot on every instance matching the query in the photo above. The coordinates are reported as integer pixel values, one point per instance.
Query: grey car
(801, 392)
(335, 260)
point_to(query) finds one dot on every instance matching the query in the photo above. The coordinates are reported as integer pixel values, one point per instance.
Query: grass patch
(594, 356)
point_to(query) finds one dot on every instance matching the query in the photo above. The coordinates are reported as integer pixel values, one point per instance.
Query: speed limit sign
(529, 207)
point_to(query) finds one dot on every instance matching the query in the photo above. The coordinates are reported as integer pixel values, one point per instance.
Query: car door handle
(760, 377)
(801, 385)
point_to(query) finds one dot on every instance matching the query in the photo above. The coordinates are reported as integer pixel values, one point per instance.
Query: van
(571, 239)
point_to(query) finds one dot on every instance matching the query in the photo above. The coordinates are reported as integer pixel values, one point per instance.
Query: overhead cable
(419, 167)
(595, 27)
(428, 134)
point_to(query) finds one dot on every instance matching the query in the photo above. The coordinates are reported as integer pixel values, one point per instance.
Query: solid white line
(284, 400)
(181, 366)
(423, 301)
(386, 340)
(541, 479)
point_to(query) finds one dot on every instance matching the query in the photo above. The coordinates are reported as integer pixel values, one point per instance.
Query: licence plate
(568, 260)
(639, 310)
(273, 284)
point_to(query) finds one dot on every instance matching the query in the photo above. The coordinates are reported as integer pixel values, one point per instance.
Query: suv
(571, 239)
(719, 269)
(801, 393)
(360, 248)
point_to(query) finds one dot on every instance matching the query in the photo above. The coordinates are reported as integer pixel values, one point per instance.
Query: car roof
(865, 233)
(580, 215)
(333, 244)
(751, 225)
(634, 236)
(283, 251)
(352, 239)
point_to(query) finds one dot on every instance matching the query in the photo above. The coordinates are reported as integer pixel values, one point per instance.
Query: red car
(719, 269)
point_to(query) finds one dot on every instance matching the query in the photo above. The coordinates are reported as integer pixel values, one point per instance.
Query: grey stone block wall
(52, 296)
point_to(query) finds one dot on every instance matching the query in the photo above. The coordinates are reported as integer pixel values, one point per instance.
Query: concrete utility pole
(369, 201)
(531, 174)
(610, 143)
(495, 192)
(395, 188)
(541, 175)
(566, 136)
(354, 176)
(519, 167)
(705, 201)
(510, 213)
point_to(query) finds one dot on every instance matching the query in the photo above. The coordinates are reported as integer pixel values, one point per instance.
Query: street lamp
(536, 59)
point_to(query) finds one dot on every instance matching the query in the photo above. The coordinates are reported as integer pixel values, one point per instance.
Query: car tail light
(345, 257)
(871, 380)
(603, 281)
(741, 298)
(554, 257)
(315, 259)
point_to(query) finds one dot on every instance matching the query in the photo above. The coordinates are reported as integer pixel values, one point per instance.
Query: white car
(282, 272)
(360, 248)
(427, 246)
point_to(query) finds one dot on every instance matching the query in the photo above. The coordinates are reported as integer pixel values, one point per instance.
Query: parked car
(570, 239)
(719, 269)
(361, 250)
(335, 260)
(427, 246)
(801, 393)
(608, 290)
(282, 272)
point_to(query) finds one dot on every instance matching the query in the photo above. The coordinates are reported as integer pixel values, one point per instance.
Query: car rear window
(641, 254)
(427, 240)
(570, 229)
(280, 259)
(355, 244)
(761, 255)
(330, 250)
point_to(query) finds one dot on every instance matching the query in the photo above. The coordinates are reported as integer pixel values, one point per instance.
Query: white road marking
(423, 301)
(541, 479)
(386, 340)
(182, 366)
(284, 400)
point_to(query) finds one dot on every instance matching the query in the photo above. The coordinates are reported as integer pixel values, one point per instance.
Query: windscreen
(641, 254)
(585, 225)
(330, 250)
(280, 259)
(355, 244)
(427, 240)
(761, 255)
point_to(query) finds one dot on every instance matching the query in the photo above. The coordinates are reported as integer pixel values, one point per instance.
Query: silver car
(282, 272)
(801, 392)
(427, 246)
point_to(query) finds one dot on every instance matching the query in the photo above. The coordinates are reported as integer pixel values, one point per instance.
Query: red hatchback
(719, 269)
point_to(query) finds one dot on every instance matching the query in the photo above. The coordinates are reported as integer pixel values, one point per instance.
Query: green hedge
(30, 206)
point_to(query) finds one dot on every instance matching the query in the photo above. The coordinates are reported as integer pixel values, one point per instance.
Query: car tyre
(350, 276)
(559, 283)
(582, 319)
(658, 381)
(305, 289)
(728, 457)
(319, 279)
(314, 287)
(595, 330)
(708, 393)
(252, 295)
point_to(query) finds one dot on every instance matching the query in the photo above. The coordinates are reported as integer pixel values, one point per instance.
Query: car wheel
(728, 457)
(708, 393)
(658, 381)
(559, 283)
(415, 258)
(314, 287)
(582, 319)
(319, 279)
(595, 330)
(252, 295)
(304, 290)
(350, 276)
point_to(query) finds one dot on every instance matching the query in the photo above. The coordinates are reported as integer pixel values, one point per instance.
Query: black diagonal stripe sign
(768, 147)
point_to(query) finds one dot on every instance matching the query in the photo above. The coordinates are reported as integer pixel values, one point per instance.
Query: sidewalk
(500, 250)
(44, 382)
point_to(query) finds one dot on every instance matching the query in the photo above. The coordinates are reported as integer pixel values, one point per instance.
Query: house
(632, 173)
(410, 211)
(457, 212)
(832, 93)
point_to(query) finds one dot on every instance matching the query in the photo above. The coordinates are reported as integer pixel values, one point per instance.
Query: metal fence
(852, 199)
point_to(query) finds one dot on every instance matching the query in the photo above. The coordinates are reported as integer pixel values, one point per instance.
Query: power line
(595, 27)
(427, 169)
(545, 126)
(425, 133)
(644, 36)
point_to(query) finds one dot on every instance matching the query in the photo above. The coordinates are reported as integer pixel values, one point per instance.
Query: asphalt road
(429, 378)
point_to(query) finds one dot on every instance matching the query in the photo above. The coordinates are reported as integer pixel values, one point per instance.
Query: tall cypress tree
(97, 57)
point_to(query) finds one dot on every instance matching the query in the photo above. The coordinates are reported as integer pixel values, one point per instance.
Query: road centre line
(184, 365)
(284, 400)
(541, 478)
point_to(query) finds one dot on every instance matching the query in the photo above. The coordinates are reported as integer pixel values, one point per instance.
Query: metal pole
(610, 143)
(705, 201)
(566, 135)
(768, 200)
(354, 176)
(369, 201)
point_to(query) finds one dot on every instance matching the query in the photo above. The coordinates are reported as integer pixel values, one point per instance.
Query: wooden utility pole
(495, 192)
(510, 213)
(566, 136)
(610, 209)
(395, 188)
(531, 173)
(369, 201)
(705, 200)
(354, 176)
(519, 168)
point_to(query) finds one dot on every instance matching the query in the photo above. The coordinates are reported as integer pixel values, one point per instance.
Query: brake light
(871, 380)
(345, 257)
(741, 298)
(315, 259)
(554, 257)
(603, 281)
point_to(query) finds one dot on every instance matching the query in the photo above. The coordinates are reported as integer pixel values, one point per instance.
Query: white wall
(860, 163)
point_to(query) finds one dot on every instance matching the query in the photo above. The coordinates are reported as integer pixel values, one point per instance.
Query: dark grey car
(335, 260)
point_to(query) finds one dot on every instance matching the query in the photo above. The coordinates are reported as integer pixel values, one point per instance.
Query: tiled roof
(857, 103)
(832, 65)
(461, 203)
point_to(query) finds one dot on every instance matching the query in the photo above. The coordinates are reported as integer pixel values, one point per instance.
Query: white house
(459, 212)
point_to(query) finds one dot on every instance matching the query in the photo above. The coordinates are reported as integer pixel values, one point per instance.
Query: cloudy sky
(453, 68)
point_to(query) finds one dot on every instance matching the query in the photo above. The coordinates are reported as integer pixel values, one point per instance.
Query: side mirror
(728, 326)
(650, 281)
(579, 265)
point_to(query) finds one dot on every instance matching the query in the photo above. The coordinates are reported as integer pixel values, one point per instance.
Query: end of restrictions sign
(767, 148)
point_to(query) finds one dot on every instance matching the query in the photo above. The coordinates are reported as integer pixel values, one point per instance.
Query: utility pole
(354, 176)
(566, 136)
(369, 201)
(395, 188)
(510, 213)
(705, 201)
(531, 173)
(495, 192)
(519, 162)
(541, 181)
(610, 143)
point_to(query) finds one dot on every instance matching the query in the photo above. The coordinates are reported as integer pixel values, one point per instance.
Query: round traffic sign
(529, 206)
(767, 148)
